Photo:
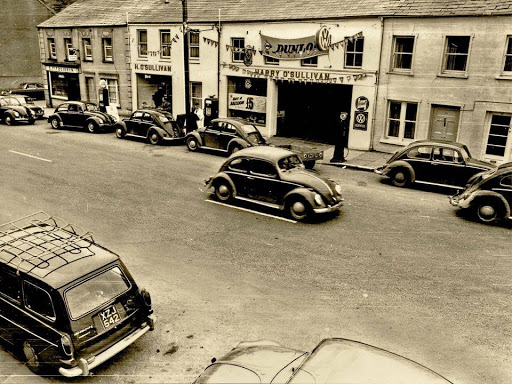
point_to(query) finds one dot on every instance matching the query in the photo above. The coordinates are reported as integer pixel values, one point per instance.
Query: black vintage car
(432, 162)
(227, 135)
(80, 114)
(277, 178)
(66, 302)
(27, 101)
(12, 112)
(488, 195)
(34, 90)
(154, 125)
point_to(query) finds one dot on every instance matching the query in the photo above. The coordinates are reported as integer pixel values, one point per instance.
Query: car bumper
(86, 364)
(330, 208)
(379, 170)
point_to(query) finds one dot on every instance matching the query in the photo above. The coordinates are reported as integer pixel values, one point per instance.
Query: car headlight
(337, 188)
(318, 199)
(16, 113)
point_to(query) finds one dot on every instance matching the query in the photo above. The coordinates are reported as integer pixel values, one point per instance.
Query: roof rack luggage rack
(42, 241)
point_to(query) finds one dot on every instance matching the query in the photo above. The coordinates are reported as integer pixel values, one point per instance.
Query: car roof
(234, 120)
(264, 152)
(51, 250)
(437, 142)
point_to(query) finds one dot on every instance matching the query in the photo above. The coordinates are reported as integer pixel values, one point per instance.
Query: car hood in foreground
(309, 179)
(480, 164)
(20, 109)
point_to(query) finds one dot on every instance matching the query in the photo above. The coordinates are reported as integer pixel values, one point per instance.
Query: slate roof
(113, 12)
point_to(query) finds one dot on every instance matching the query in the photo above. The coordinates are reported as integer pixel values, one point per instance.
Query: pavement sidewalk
(362, 160)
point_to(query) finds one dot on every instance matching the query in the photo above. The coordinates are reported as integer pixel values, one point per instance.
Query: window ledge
(109, 61)
(397, 141)
(504, 77)
(400, 73)
(453, 75)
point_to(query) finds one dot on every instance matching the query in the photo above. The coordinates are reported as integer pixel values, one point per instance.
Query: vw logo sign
(360, 118)
(323, 39)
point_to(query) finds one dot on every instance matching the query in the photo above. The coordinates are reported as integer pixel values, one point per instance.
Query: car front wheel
(8, 119)
(489, 211)
(54, 122)
(298, 208)
(223, 191)
(154, 138)
(401, 177)
(192, 144)
(92, 127)
(120, 133)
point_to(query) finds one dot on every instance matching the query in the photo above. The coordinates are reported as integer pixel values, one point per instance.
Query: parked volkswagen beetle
(12, 112)
(83, 115)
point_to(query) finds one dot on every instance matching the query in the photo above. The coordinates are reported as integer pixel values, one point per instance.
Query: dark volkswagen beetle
(227, 135)
(79, 114)
(154, 125)
(433, 162)
(277, 178)
(27, 101)
(11, 111)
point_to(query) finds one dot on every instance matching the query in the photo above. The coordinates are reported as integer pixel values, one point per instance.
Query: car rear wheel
(55, 123)
(309, 164)
(401, 177)
(234, 148)
(192, 144)
(32, 359)
(120, 133)
(8, 119)
(489, 211)
(31, 121)
(298, 208)
(153, 137)
(223, 191)
(92, 127)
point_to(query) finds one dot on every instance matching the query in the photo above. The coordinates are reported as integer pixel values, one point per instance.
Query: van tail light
(67, 345)
(146, 297)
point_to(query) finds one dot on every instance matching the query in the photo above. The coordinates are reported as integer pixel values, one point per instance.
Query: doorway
(445, 123)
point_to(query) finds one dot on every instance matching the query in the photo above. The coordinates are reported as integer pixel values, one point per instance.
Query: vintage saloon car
(432, 162)
(34, 90)
(227, 135)
(488, 195)
(27, 101)
(79, 114)
(333, 361)
(154, 125)
(277, 178)
(12, 112)
(66, 302)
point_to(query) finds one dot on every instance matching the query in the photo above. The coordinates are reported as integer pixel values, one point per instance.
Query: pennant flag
(227, 47)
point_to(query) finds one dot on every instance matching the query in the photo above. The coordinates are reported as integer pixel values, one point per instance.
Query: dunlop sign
(292, 49)
(249, 103)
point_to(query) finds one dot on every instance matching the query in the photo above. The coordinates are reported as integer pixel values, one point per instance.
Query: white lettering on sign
(250, 103)
(152, 67)
(53, 68)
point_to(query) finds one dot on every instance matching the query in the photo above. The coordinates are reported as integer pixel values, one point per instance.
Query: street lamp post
(186, 55)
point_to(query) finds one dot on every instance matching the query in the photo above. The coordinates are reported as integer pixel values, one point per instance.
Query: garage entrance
(312, 111)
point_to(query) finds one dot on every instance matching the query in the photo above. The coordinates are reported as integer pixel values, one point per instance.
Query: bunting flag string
(210, 42)
(343, 43)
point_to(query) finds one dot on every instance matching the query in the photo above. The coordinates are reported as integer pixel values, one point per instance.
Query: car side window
(38, 300)
(216, 125)
(447, 154)
(137, 115)
(62, 108)
(10, 286)
(73, 108)
(506, 181)
(239, 165)
(422, 153)
(147, 117)
(229, 128)
(263, 168)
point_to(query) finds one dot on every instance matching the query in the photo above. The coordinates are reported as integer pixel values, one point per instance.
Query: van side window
(38, 300)
(10, 286)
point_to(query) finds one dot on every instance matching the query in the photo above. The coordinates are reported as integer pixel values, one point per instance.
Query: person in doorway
(340, 139)
(199, 115)
(192, 119)
(158, 96)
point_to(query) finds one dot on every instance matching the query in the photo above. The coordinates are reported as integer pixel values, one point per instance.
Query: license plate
(313, 156)
(109, 317)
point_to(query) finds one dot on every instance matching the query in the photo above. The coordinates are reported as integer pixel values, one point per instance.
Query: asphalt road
(398, 268)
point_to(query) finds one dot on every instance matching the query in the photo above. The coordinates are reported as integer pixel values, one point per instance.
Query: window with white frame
(238, 44)
(271, 60)
(507, 66)
(107, 49)
(456, 53)
(142, 42)
(52, 50)
(498, 135)
(403, 49)
(193, 44)
(87, 47)
(196, 94)
(70, 51)
(165, 43)
(354, 52)
(402, 119)
(310, 62)
(113, 91)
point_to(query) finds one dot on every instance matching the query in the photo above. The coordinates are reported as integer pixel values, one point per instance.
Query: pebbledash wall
(297, 90)
(438, 95)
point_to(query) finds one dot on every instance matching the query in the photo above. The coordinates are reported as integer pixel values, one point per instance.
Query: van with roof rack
(66, 302)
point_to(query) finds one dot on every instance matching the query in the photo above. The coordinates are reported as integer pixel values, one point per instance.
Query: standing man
(200, 115)
(192, 119)
(341, 139)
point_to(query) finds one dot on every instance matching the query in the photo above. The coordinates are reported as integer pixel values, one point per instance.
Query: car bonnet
(480, 164)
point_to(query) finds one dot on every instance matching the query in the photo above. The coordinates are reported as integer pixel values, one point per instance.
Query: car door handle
(250, 178)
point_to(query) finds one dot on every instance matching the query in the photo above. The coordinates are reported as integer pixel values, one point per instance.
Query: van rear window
(96, 291)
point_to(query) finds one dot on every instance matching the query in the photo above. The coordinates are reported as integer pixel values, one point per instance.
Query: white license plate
(109, 317)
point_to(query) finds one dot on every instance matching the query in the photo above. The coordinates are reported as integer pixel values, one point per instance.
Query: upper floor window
(402, 118)
(142, 42)
(52, 51)
(271, 60)
(70, 51)
(354, 52)
(310, 61)
(87, 47)
(507, 67)
(107, 49)
(165, 43)
(456, 53)
(238, 44)
(403, 48)
(193, 44)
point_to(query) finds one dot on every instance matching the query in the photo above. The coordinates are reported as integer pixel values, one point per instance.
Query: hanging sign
(362, 103)
(301, 48)
(250, 103)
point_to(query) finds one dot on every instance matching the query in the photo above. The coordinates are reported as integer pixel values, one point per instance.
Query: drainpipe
(218, 59)
(377, 81)
(186, 59)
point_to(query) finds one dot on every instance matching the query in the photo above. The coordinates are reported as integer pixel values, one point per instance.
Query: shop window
(196, 94)
(193, 44)
(402, 118)
(310, 62)
(271, 60)
(238, 44)
(498, 135)
(165, 44)
(107, 49)
(403, 48)
(456, 53)
(70, 51)
(59, 84)
(113, 91)
(354, 53)
(507, 67)
(38, 301)
(87, 47)
(142, 42)
(52, 50)
(10, 286)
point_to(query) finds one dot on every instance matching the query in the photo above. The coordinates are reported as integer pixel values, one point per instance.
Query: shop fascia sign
(301, 48)
(152, 67)
(250, 103)
(54, 68)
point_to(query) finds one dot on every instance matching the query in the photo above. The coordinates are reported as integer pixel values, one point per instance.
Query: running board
(132, 135)
(438, 185)
(270, 205)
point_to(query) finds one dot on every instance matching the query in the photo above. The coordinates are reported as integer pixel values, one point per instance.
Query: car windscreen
(253, 135)
(96, 291)
(290, 162)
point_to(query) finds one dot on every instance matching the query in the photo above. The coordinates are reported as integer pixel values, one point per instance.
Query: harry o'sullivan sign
(302, 48)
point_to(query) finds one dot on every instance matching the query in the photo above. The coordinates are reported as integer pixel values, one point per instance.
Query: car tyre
(223, 191)
(92, 127)
(55, 123)
(298, 208)
(8, 120)
(234, 148)
(31, 357)
(120, 132)
(309, 164)
(401, 177)
(489, 211)
(192, 144)
(31, 121)
(153, 137)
